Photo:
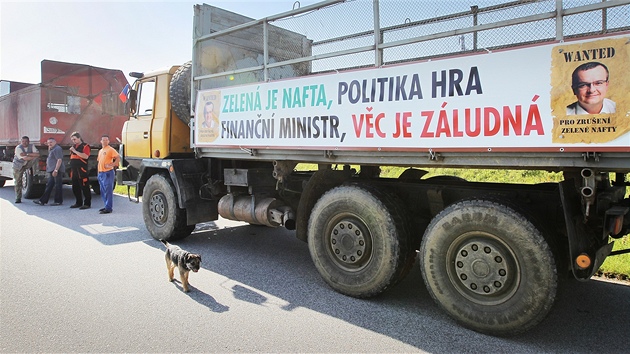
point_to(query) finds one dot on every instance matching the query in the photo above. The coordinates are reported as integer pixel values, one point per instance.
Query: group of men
(26, 155)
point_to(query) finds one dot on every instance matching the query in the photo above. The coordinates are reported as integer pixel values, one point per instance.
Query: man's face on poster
(591, 87)
(208, 112)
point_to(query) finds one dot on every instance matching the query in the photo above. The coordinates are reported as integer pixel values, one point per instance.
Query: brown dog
(184, 261)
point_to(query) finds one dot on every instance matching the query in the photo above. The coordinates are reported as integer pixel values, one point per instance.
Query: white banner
(536, 97)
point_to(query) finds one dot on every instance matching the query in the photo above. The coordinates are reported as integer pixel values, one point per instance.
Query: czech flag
(124, 93)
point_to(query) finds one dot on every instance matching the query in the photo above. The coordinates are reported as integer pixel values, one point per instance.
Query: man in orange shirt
(108, 160)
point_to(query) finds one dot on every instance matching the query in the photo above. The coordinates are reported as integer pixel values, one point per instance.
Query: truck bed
(71, 97)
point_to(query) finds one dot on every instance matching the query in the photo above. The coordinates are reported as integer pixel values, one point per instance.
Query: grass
(617, 266)
(505, 176)
(122, 190)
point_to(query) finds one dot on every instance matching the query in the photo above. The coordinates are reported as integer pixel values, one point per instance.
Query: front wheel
(31, 190)
(162, 217)
(488, 267)
(358, 241)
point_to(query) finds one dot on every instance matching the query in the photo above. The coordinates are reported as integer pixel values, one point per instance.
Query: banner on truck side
(551, 97)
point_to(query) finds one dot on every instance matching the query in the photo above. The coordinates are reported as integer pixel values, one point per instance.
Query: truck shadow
(275, 262)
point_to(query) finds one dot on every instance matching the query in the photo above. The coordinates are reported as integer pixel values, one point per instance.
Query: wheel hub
(348, 242)
(158, 209)
(25, 183)
(481, 267)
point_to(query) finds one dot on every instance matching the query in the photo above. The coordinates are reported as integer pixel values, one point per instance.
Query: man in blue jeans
(55, 170)
(108, 159)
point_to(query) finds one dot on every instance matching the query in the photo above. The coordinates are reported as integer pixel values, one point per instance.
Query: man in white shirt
(24, 158)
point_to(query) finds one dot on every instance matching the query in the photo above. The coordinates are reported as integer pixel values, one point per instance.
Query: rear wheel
(162, 217)
(2, 182)
(488, 267)
(96, 187)
(358, 241)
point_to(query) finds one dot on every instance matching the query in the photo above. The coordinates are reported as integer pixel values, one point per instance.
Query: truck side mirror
(133, 101)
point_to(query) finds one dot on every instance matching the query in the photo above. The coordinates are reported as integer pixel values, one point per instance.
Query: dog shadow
(202, 298)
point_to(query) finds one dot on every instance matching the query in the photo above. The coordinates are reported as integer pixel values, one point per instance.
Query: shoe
(101, 209)
(18, 201)
(38, 202)
(83, 207)
(105, 211)
(56, 204)
(75, 206)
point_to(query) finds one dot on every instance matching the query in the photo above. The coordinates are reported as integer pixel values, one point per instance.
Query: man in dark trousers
(79, 154)
(55, 169)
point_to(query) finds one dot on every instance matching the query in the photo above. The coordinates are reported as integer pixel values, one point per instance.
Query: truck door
(138, 128)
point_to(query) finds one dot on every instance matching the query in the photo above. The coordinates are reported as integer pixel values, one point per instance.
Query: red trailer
(71, 97)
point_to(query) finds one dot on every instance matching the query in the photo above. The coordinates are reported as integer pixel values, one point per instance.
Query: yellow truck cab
(153, 129)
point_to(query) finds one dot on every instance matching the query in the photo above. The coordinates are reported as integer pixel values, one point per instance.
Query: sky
(126, 35)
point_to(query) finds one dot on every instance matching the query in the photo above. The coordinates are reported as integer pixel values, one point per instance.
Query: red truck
(71, 97)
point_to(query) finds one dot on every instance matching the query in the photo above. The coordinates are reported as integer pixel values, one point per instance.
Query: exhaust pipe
(588, 189)
(267, 211)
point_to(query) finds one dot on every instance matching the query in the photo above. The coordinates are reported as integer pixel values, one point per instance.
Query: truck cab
(153, 131)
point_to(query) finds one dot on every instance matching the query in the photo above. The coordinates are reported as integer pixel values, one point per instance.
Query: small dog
(184, 261)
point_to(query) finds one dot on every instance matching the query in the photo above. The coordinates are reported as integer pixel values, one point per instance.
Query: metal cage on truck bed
(384, 34)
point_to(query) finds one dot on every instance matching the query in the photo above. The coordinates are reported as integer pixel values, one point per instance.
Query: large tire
(179, 91)
(358, 241)
(488, 267)
(162, 217)
(30, 190)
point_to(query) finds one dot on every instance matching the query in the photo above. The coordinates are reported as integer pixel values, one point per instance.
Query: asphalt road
(77, 281)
